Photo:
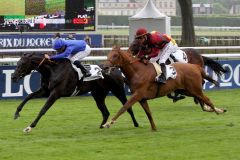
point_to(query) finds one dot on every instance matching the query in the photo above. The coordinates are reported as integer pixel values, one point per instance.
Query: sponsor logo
(31, 83)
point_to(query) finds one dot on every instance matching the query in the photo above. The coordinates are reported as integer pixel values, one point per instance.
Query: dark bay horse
(193, 56)
(142, 83)
(60, 80)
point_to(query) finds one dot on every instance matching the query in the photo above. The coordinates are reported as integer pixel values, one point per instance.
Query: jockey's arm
(62, 55)
(154, 52)
(141, 53)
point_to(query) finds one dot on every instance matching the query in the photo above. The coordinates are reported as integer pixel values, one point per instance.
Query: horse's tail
(207, 77)
(215, 66)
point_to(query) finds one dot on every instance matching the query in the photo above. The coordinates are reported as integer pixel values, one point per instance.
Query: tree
(188, 33)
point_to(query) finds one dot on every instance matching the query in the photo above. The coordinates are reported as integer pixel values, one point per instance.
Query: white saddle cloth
(95, 71)
(180, 56)
(170, 71)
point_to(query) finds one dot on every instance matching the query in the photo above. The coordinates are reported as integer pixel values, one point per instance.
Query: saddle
(96, 73)
(170, 71)
(95, 70)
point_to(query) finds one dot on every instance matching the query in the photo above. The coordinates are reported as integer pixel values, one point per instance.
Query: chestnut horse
(193, 57)
(142, 83)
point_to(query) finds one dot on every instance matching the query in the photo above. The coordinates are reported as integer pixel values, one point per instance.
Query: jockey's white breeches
(165, 53)
(80, 55)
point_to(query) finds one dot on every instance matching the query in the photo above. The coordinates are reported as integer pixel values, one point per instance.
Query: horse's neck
(48, 69)
(132, 69)
(45, 70)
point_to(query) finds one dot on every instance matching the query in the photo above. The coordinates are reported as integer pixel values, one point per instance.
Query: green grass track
(69, 131)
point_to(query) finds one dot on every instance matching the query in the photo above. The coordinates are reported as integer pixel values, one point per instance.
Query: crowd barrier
(32, 82)
(90, 58)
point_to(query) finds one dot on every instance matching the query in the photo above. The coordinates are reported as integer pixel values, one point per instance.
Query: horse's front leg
(51, 99)
(100, 101)
(120, 94)
(146, 108)
(134, 98)
(37, 94)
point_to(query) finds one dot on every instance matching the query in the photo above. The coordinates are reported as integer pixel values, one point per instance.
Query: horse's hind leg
(100, 101)
(39, 93)
(145, 106)
(203, 106)
(209, 109)
(196, 101)
(205, 100)
(175, 96)
(51, 99)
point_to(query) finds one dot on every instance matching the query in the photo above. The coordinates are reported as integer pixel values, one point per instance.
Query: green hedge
(210, 21)
(176, 21)
(116, 20)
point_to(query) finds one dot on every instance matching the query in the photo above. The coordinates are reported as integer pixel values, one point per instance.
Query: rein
(42, 63)
(39, 64)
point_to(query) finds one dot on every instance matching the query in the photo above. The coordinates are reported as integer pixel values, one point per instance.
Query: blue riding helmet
(58, 43)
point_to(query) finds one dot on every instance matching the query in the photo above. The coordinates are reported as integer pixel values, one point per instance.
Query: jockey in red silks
(160, 45)
(74, 50)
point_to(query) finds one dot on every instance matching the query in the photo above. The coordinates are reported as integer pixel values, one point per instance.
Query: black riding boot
(85, 72)
(162, 77)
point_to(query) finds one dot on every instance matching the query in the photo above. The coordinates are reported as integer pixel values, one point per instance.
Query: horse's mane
(127, 56)
(40, 56)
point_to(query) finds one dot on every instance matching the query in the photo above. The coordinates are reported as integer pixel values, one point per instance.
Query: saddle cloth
(170, 71)
(179, 56)
(95, 71)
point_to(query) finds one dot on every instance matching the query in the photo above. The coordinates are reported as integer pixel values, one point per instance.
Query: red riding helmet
(141, 32)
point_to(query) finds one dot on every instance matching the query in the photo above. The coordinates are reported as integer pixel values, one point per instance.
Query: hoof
(220, 110)
(136, 125)
(106, 125)
(16, 116)
(27, 130)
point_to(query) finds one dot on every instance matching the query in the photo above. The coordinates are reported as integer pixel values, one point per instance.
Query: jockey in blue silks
(74, 50)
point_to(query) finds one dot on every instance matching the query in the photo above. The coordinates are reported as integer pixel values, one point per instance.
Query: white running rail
(92, 58)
